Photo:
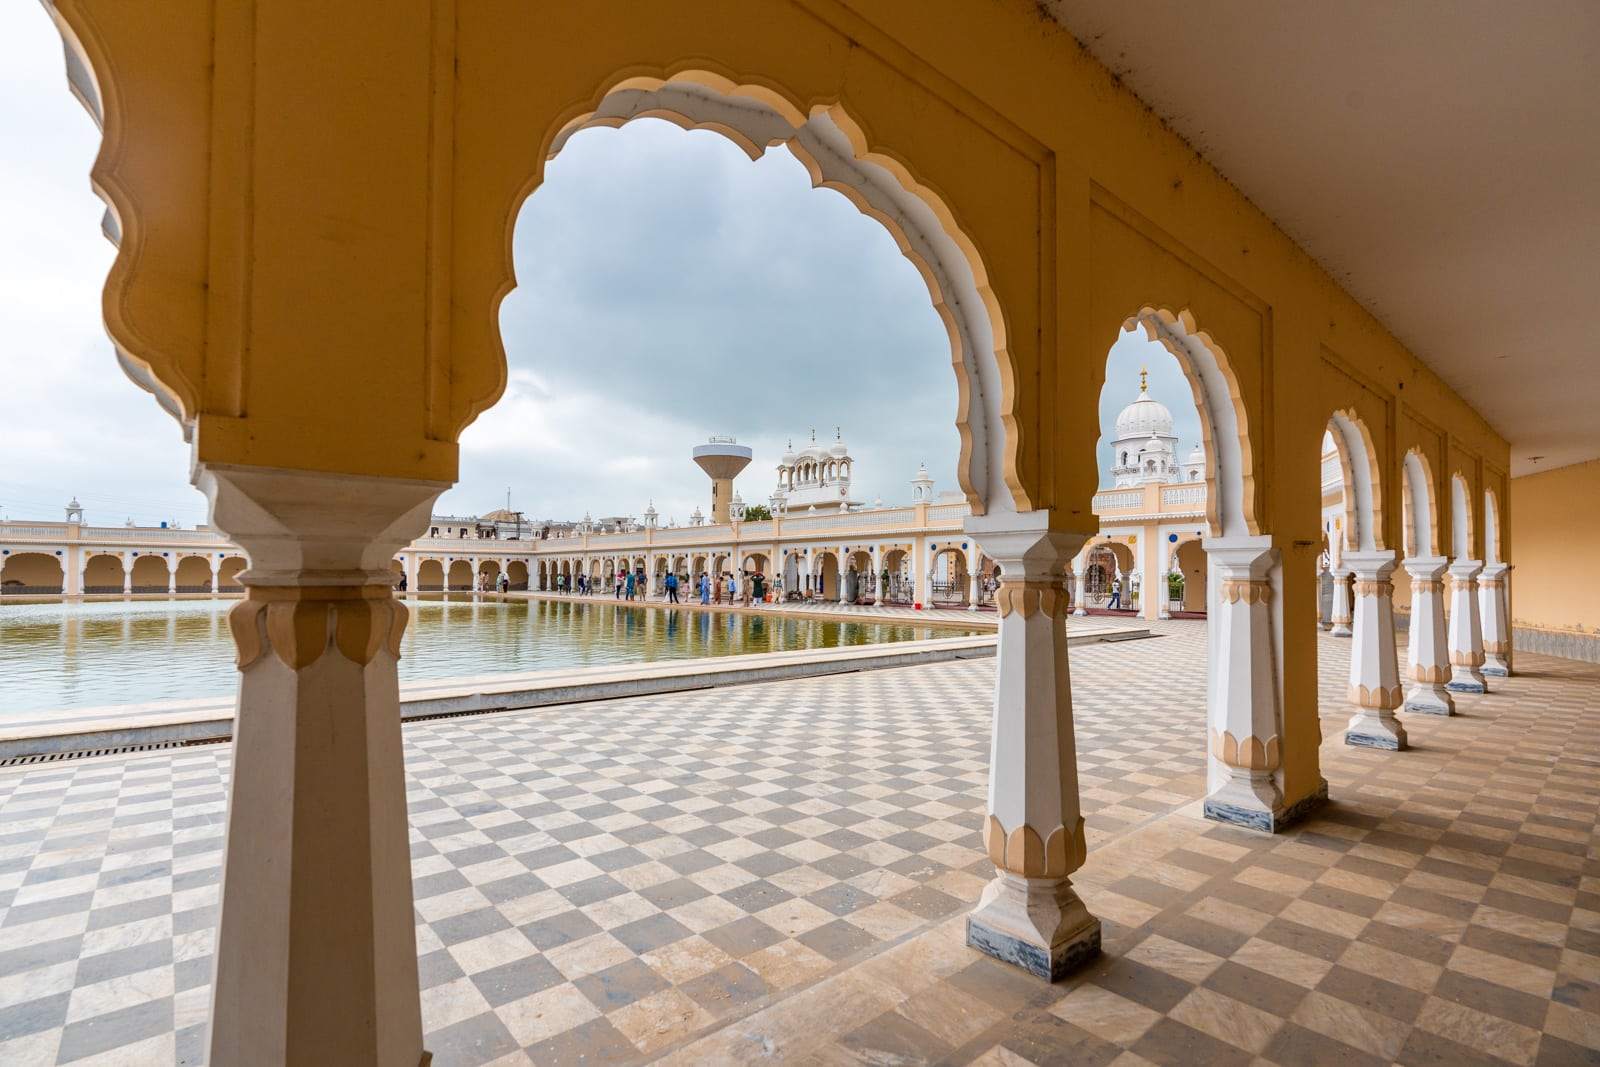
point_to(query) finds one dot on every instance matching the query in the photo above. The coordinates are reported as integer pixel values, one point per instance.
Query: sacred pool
(57, 656)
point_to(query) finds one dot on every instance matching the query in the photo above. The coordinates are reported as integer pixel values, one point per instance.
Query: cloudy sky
(668, 289)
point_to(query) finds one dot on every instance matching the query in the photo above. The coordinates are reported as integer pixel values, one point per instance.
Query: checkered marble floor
(781, 870)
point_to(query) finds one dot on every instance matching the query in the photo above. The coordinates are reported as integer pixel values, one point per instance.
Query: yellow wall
(1557, 518)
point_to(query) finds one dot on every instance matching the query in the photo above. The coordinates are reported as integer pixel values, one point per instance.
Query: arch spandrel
(1219, 339)
(773, 62)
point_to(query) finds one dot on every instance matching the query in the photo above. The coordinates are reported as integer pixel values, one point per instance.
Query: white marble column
(1375, 688)
(1030, 915)
(316, 956)
(1081, 599)
(1342, 578)
(973, 579)
(216, 574)
(127, 574)
(1427, 653)
(1466, 634)
(1244, 713)
(172, 575)
(1496, 627)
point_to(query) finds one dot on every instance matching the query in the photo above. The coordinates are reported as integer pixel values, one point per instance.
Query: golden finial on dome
(1144, 373)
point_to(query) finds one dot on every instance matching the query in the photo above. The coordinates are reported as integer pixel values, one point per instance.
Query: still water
(55, 656)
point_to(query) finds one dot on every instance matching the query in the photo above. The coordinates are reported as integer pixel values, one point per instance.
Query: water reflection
(124, 652)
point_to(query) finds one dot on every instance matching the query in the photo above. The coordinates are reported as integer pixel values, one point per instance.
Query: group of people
(749, 588)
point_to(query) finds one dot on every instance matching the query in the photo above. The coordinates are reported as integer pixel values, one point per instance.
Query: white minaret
(922, 486)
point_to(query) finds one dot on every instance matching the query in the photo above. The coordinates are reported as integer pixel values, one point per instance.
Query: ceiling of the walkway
(1440, 158)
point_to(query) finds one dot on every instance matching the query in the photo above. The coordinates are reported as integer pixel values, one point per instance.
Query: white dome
(1144, 417)
(1197, 458)
(839, 451)
(789, 457)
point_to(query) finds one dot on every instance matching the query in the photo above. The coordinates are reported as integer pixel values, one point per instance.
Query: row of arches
(1019, 265)
(103, 573)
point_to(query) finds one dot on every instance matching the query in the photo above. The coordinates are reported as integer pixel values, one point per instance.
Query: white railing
(53, 532)
(693, 533)
(149, 536)
(1188, 494)
(949, 512)
(1130, 498)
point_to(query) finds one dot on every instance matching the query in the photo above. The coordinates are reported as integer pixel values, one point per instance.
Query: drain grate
(38, 758)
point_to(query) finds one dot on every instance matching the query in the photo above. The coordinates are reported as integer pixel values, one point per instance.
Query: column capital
(1465, 569)
(1426, 568)
(1024, 546)
(315, 528)
(1240, 558)
(1371, 566)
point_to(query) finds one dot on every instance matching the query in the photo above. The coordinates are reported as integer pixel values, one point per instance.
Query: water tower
(722, 459)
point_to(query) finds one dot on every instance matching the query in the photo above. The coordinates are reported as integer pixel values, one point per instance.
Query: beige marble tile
(1175, 958)
(619, 910)
(1375, 1034)
(885, 921)
(1345, 924)
(1350, 882)
(523, 910)
(1568, 1023)
(1127, 911)
(660, 1020)
(787, 963)
(683, 960)
(707, 913)
(1417, 919)
(1513, 974)
(794, 917)
(1272, 881)
(1467, 1026)
(491, 950)
(1105, 1014)
(588, 955)
(1395, 967)
(456, 902)
(1280, 962)
(545, 1014)
(124, 992)
(1227, 1019)
(1527, 926)
(451, 1002)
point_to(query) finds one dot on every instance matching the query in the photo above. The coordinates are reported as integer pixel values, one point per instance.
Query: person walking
(1116, 595)
(747, 595)
(629, 584)
(705, 588)
(672, 589)
(619, 585)
(733, 589)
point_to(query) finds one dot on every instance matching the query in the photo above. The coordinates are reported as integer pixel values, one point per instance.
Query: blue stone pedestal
(1036, 924)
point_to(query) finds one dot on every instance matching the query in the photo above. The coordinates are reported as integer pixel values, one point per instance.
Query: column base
(1371, 730)
(1246, 798)
(1037, 924)
(1494, 666)
(1466, 680)
(1342, 631)
(1430, 700)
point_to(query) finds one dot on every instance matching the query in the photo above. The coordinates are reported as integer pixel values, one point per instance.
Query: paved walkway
(782, 870)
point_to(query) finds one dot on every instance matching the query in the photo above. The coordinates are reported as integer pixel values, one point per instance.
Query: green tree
(757, 513)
